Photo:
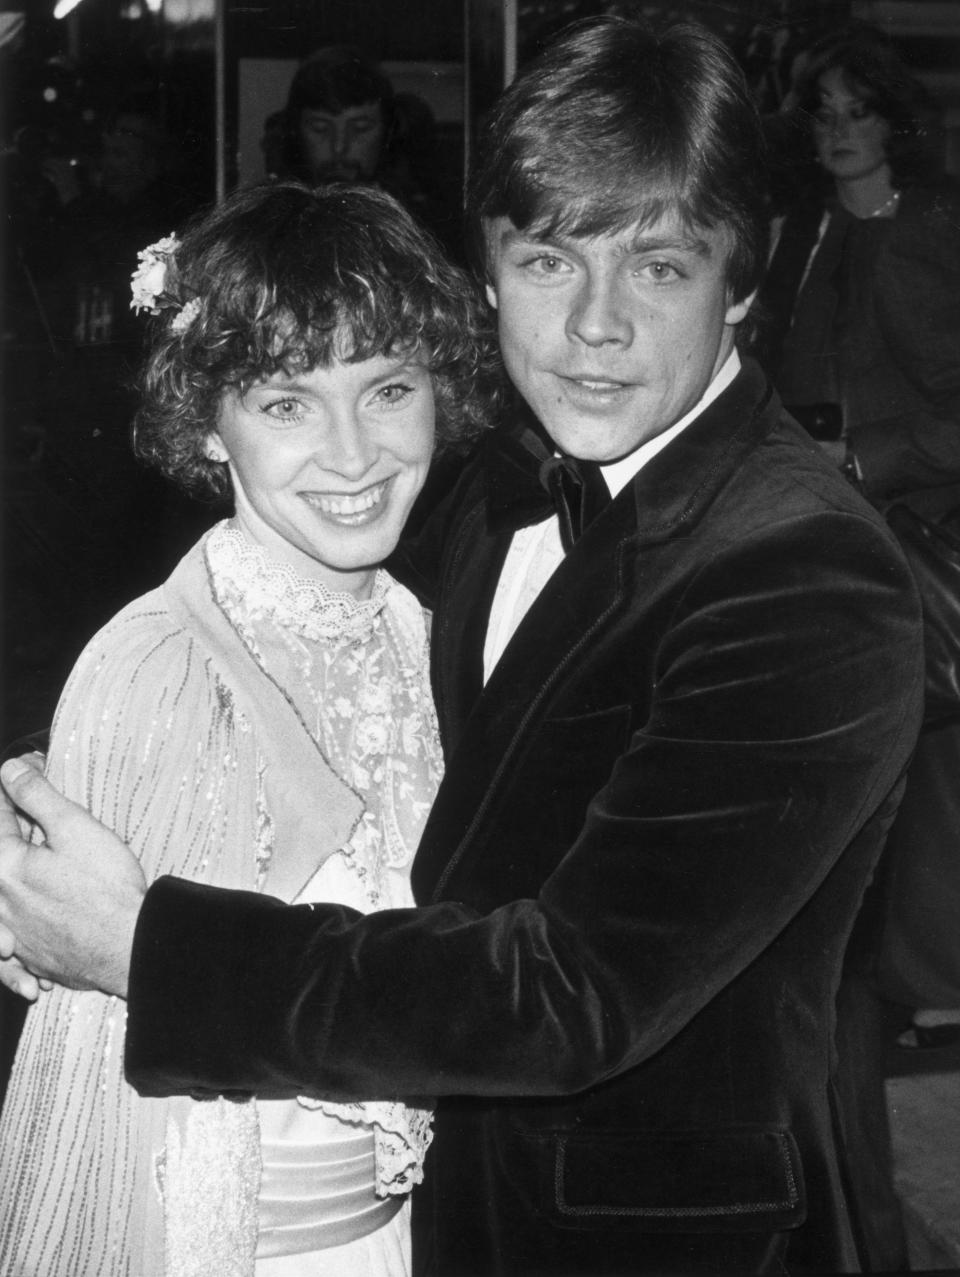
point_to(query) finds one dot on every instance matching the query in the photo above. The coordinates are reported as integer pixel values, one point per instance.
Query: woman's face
(326, 464)
(851, 139)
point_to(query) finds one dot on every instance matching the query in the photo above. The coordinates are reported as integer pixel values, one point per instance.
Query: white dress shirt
(536, 552)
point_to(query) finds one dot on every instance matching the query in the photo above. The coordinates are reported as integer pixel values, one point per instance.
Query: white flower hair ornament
(155, 285)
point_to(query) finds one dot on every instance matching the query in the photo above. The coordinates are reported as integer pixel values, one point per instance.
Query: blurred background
(121, 117)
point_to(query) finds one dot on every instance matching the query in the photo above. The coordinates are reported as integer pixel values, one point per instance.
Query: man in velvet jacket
(672, 750)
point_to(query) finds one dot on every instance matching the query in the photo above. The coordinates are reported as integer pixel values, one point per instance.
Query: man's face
(344, 147)
(610, 340)
(128, 159)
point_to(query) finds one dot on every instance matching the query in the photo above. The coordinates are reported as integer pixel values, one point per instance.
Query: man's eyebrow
(510, 235)
(644, 243)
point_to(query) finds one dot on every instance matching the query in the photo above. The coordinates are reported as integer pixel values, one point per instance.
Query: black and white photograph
(479, 638)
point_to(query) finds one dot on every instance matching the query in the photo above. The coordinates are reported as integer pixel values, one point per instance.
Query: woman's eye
(284, 409)
(397, 392)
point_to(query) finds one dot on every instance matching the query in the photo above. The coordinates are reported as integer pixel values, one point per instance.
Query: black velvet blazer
(656, 826)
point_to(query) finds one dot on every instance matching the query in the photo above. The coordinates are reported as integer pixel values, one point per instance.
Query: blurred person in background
(343, 122)
(860, 329)
(850, 300)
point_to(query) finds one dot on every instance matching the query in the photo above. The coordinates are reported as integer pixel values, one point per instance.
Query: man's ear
(737, 311)
(491, 295)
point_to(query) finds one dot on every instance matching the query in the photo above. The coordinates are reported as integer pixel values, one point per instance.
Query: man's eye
(545, 264)
(661, 272)
(860, 112)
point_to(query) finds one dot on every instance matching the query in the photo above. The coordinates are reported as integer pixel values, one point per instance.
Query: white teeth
(344, 505)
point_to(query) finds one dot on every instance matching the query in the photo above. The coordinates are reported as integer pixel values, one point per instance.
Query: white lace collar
(246, 571)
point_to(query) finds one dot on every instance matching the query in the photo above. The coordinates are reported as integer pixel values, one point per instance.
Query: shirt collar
(619, 473)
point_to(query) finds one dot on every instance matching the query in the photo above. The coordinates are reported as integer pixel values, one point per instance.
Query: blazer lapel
(460, 626)
(673, 490)
(483, 727)
(584, 595)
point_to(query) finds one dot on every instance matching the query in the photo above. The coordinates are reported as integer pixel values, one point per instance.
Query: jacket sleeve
(786, 703)
(125, 744)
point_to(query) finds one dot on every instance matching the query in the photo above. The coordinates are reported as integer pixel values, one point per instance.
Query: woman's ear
(214, 448)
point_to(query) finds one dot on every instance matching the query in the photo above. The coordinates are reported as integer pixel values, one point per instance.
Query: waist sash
(313, 1196)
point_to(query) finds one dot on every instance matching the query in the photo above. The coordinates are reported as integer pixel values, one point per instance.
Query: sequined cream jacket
(166, 732)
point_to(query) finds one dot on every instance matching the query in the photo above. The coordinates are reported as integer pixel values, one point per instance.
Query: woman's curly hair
(288, 277)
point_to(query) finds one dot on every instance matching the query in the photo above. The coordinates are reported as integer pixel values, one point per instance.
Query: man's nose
(600, 314)
(341, 131)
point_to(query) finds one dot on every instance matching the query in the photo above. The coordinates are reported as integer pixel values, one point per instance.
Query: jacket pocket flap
(689, 1181)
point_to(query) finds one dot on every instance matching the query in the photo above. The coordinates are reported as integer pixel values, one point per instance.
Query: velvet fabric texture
(657, 823)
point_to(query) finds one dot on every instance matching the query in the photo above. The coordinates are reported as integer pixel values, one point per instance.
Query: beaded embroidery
(357, 672)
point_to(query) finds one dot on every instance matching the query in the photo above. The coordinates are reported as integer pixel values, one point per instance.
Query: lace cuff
(402, 1135)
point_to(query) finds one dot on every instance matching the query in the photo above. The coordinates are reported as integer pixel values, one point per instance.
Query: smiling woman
(307, 348)
(325, 465)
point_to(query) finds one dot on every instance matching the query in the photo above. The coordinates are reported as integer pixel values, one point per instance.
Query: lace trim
(358, 674)
(271, 588)
(402, 1134)
(265, 829)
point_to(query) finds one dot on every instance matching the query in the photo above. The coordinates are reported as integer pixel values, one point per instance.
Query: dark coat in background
(876, 327)
(657, 824)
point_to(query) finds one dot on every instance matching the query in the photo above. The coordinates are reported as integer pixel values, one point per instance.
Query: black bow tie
(527, 483)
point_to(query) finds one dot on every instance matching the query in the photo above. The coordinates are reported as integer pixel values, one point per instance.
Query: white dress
(243, 727)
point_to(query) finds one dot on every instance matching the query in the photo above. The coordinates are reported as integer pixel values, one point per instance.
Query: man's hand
(12, 972)
(69, 904)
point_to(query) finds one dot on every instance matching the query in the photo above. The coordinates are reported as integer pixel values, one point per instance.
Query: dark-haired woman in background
(859, 310)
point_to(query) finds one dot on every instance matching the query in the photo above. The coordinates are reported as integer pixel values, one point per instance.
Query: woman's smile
(353, 508)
